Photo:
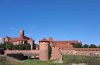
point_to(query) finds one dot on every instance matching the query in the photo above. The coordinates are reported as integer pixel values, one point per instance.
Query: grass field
(4, 60)
(89, 60)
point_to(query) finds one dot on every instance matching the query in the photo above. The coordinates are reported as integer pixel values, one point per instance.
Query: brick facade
(19, 40)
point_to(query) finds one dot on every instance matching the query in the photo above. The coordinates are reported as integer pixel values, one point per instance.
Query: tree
(27, 46)
(21, 47)
(8, 45)
(92, 46)
(1, 45)
(24, 47)
(49, 51)
(16, 47)
(85, 46)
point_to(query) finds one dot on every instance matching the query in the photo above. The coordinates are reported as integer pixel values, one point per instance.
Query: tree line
(27, 46)
(80, 45)
(11, 46)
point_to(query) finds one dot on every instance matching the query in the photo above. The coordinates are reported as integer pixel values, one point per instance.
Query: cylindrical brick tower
(43, 47)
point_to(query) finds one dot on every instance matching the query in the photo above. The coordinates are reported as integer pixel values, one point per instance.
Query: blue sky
(61, 19)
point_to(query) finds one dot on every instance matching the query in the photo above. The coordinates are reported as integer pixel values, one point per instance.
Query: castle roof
(72, 41)
(15, 39)
(43, 40)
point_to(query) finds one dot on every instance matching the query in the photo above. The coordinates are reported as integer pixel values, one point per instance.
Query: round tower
(43, 47)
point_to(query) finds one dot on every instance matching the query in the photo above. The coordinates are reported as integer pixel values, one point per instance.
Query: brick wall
(20, 51)
(81, 51)
(56, 54)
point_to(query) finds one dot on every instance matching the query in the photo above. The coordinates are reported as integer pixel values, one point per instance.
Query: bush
(10, 46)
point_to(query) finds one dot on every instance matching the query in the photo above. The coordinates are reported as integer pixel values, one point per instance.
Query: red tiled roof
(14, 39)
(24, 38)
(18, 39)
(66, 41)
(44, 40)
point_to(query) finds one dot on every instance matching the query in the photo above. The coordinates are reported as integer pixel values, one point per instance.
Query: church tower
(21, 33)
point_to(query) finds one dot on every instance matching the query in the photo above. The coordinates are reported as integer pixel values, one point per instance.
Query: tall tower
(50, 39)
(21, 33)
(43, 47)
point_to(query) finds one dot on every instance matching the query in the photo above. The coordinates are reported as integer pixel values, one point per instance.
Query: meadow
(67, 60)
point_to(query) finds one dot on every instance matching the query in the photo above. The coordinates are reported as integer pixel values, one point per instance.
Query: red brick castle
(18, 40)
(59, 48)
(22, 39)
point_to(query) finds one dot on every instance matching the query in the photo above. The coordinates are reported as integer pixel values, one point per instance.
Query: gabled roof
(14, 39)
(43, 40)
(67, 42)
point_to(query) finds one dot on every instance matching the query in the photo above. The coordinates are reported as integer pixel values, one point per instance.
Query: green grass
(68, 59)
(89, 60)
(37, 62)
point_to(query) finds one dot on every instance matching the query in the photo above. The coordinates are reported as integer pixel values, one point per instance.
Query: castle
(18, 40)
(58, 48)
(22, 39)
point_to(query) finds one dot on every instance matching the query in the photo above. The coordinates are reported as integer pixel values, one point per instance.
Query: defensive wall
(21, 51)
(81, 51)
(42, 52)
(56, 53)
